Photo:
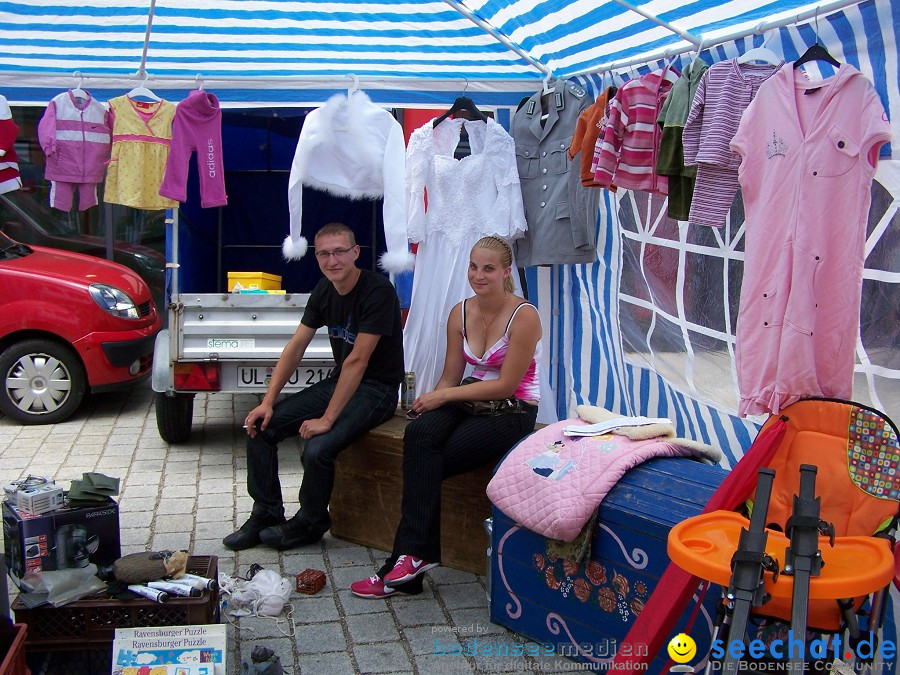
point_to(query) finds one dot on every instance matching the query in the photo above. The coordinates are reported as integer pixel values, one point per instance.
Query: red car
(68, 323)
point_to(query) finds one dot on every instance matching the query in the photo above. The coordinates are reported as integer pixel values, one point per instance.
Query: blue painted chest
(585, 609)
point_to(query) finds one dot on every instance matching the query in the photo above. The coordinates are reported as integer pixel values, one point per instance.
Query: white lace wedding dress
(468, 198)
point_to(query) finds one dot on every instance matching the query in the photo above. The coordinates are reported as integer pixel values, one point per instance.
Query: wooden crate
(368, 487)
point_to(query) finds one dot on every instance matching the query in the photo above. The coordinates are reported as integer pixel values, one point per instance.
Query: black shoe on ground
(290, 534)
(248, 534)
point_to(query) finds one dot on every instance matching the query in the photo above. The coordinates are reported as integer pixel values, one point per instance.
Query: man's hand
(314, 427)
(264, 412)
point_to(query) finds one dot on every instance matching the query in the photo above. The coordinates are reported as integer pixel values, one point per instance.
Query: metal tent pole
(497, 35)
(760, 28)
(662, 22)
(142, 69)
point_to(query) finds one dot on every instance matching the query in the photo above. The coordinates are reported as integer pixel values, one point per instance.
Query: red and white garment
(9, 162)
(630, 143)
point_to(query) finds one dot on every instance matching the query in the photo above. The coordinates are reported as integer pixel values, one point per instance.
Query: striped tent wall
(588, 363)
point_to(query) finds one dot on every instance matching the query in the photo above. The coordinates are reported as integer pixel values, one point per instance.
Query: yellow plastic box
(257, 281)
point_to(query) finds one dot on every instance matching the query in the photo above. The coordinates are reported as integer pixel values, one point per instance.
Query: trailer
(224, 342)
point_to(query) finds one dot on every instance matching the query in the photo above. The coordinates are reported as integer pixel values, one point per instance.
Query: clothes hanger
(546, 88)
(354, 84)
(463, 104)
(761, 53)
(142, 90)
(816, 52)
(669, 73)
(198, 82)
(696, 56)
(78, 92)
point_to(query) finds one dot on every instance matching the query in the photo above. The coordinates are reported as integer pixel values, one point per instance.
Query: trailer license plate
(259, 377)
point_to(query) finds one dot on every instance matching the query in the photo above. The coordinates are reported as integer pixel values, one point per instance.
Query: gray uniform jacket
(560, 212)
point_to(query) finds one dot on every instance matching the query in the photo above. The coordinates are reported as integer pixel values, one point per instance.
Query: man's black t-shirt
(371, 307)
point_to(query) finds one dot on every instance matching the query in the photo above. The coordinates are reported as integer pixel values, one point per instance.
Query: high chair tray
(703, 546)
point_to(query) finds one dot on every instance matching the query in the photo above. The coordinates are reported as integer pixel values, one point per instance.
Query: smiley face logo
(682, 648)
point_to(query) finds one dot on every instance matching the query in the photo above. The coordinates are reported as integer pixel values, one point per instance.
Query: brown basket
(310, 581)
(91, 623)
(14, 662)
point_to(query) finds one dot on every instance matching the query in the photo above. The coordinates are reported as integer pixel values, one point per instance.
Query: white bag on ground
(265, 594)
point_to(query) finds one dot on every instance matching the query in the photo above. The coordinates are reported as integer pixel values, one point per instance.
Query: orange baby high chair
(856, 453)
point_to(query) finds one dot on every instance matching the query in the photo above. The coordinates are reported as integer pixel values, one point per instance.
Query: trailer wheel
(173, 416)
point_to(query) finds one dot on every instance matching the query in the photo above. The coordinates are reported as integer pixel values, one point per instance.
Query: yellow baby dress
(139, 152)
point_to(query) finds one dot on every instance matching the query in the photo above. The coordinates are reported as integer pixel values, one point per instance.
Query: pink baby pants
(62, 194)
(197, 126)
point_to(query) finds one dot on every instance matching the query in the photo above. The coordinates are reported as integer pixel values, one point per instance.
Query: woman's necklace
(490, 323)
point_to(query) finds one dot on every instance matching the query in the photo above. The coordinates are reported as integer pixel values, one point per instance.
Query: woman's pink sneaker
(407, 568)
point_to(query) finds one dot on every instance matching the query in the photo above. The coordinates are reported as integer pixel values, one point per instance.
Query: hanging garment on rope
(197, 126)
(468, 199)
(591, 124)
(670, 161)
(631, 139)
(140, 148)
(351, 147)
(723, 95)
(9, 163)
(560, 212)
(75, 133)
(808, 155)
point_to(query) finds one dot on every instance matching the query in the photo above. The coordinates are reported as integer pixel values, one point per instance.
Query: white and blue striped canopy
(293, 52)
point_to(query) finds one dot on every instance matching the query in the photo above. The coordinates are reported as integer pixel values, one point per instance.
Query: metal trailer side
(226, 342)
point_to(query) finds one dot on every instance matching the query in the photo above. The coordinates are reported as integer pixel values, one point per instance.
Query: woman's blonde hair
(499, 245)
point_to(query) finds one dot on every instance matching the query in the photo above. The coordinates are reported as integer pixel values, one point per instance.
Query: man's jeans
(371, 404)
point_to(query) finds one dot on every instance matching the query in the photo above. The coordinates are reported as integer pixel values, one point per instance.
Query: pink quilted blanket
(552, 484)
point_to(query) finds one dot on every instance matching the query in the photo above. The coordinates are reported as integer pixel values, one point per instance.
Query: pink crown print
(776, 146)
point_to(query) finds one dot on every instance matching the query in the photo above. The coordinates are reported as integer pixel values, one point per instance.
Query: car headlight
(114, 301)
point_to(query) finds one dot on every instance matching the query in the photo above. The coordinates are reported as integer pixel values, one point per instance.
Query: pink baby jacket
(76, 136)
(808, 155)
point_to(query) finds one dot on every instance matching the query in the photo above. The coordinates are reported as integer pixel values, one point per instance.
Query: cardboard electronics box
(61, 539)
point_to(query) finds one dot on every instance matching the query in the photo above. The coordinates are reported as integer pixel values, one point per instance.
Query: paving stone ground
(191, 495)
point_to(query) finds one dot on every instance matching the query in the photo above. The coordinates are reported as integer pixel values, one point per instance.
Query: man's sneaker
(290, 534)
(248, 534)
(373, 587)
(407, 568)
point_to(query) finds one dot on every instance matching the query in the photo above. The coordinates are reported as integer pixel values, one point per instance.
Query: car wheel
(173, 416)
(41, 382)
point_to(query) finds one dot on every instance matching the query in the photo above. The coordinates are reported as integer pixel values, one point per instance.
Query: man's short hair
(336, 228)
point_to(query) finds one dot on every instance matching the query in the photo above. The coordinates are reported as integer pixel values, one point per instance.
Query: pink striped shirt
(487, 367)
(630, 143)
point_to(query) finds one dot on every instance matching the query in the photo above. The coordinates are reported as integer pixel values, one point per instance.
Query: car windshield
(50, 221)
(12, 249)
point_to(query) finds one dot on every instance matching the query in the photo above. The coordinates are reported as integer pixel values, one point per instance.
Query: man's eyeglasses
(337, 253)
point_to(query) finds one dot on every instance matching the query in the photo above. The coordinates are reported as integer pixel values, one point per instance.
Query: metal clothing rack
(697, 44)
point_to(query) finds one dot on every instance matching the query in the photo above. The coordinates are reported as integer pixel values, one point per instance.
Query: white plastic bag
(265, 594)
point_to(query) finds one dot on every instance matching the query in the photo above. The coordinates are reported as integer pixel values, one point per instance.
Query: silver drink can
(408, 391)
